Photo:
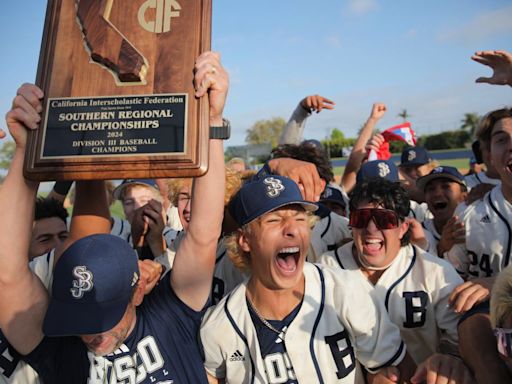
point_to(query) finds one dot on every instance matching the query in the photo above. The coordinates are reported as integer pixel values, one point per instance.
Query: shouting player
(291, 321)
(414, 286)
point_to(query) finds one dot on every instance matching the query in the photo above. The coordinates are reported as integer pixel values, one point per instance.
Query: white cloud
(485, 25)
(361, 7)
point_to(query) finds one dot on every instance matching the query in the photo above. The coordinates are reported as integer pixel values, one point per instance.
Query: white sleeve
(432, 242)
(446, 318)
(214, 362)
(294, 129)
(166, 259)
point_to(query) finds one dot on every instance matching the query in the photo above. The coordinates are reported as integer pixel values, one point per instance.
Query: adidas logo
(237, 356)
(486, 219)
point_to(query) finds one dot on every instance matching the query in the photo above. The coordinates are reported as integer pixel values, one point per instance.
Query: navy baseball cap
(314, 143)
(260, 196)
(451, 173)
(378, 169)
(333, 195)
(415, 156)
(143, 182)
(93, 282)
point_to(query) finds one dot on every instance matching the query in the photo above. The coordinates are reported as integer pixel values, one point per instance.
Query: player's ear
(404, 227)
(243, 241)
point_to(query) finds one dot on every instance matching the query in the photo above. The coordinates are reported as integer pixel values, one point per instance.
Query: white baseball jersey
(480, 178)
(415, 291)
(327, 235)
(13, 370)
(487, 250)
(337, 323)
(120, 227)
(431, 235)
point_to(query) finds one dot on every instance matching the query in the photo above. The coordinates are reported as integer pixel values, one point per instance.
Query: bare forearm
(207, 205)
(357, 155)
(90, 212)
(17, 200)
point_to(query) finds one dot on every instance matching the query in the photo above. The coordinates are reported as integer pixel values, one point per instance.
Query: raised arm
(90, 213)
(358, 154)
(193, 266)
(294, 128)
(23, 299)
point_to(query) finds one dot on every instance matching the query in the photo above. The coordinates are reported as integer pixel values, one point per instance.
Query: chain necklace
(264, 321)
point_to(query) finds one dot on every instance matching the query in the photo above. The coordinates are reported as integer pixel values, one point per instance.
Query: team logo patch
(237, 356)
(82, 283)
(274, 187)
(327, 193)
(437, 170)
(383, 169)
(411, 156)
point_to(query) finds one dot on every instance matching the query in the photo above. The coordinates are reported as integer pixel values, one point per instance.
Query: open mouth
(288, 258)
(509, 166)
(373, 245)
(440, 205)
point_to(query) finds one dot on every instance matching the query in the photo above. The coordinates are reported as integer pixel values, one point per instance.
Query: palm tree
(470, 123)
(404, 115)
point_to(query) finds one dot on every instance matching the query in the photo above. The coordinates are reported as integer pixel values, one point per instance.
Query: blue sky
(407, 54)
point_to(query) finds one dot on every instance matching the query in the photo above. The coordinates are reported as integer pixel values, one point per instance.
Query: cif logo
(274, 186)
(165, 10)
(83, 282)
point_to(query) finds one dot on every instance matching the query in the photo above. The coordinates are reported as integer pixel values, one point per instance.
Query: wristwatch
(223, 132)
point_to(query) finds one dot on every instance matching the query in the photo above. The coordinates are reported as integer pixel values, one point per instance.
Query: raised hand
(378, 111)
(25, 113)
(317, 103)
(501, 64)
(453, 233)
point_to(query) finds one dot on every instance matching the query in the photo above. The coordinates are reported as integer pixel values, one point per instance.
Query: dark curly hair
(46, 208)
(306, 152)
(391, 195)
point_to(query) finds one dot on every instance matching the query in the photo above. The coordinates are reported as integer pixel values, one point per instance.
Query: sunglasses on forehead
(504, 340)
(383, 218)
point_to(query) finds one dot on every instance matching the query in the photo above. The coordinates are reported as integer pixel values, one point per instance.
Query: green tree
(337, 135)
(265, 131)
(404, 114)
(6, 154)
(470, 123)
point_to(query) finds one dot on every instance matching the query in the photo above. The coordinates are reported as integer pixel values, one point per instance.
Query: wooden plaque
(119, 98)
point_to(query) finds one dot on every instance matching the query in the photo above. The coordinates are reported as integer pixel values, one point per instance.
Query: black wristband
(62, 187)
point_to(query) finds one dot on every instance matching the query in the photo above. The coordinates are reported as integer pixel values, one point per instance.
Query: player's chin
(288, 278)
